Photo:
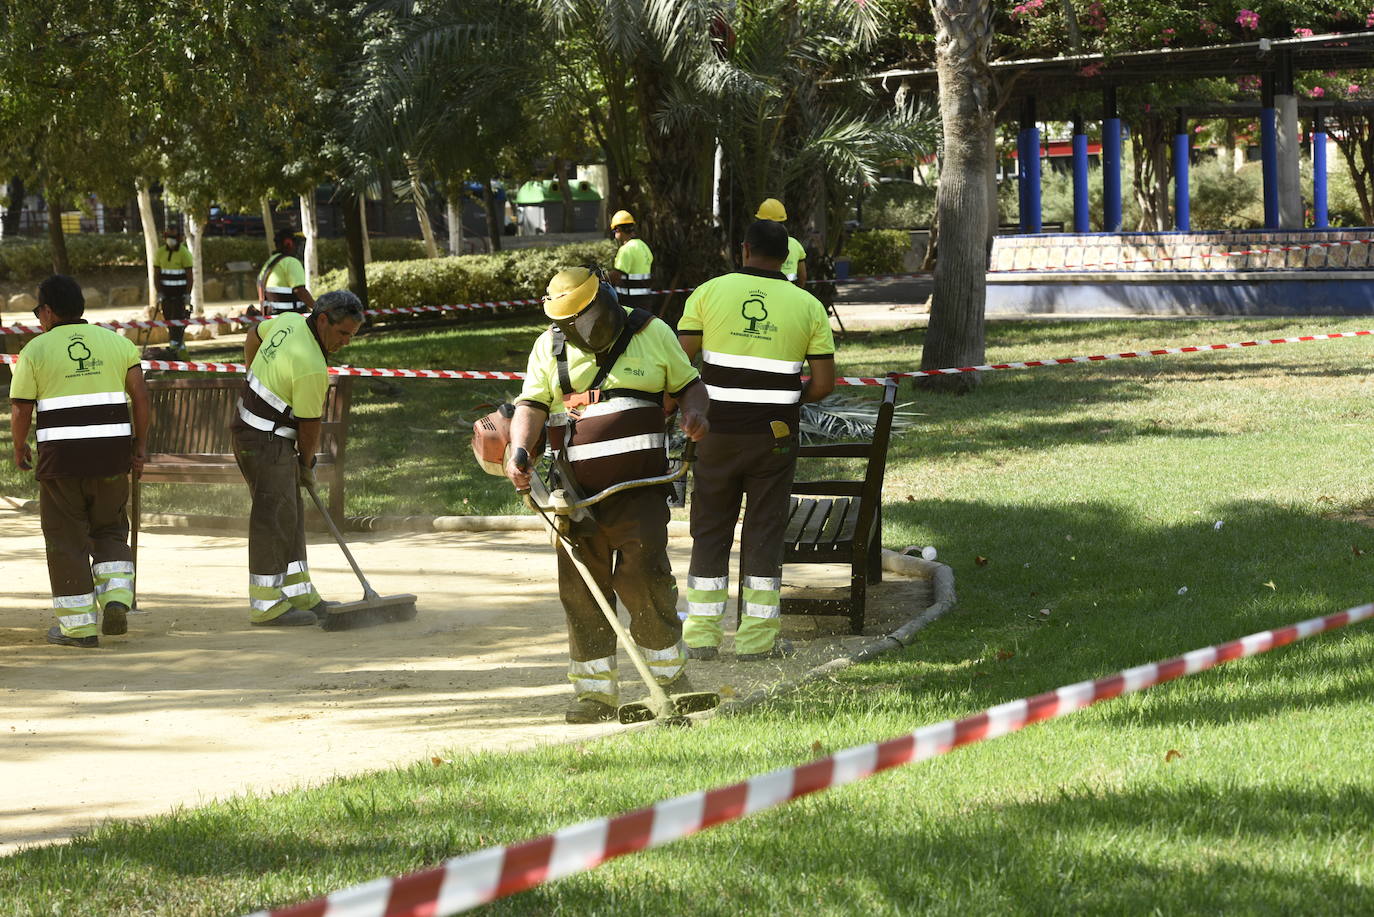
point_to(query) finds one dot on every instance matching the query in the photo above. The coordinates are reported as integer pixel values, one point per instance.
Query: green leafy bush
(31, 260)
(899, 205)
(519, 274)
(878, 251)
(1219, 198)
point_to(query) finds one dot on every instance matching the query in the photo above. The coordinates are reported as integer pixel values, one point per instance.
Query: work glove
(305, 475)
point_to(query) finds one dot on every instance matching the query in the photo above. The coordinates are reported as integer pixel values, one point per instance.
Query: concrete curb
(942, 581)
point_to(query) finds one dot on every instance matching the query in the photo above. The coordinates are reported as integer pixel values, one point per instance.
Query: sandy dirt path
(194, 704)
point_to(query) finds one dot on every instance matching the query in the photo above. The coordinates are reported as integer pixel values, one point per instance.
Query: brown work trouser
(84, 523)
(731, 467)
(627, 553)
(278, 575)
(174, 309)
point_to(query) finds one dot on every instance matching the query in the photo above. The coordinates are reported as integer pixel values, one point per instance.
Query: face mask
(173, 245)
(595, 328)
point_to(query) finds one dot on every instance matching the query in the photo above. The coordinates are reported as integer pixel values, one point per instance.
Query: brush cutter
(371, 608)
(659, 706)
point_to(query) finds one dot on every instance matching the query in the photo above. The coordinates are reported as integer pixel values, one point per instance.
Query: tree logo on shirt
(754, 311)
(79, 353)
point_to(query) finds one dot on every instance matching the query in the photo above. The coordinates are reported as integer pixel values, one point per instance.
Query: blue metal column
(1319, 215)
(1081, 216)
(1182, 216)
(1021, 209)
(1029, 168)
(1111, 162)
(1269, 151)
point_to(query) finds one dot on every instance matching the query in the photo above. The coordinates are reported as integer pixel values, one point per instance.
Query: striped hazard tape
(192, 366)
(467, 881)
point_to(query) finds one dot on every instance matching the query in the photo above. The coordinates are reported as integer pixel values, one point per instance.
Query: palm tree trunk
(565, 192)
(15, 209)
(417, 193)
(355, 234)
(959, 299)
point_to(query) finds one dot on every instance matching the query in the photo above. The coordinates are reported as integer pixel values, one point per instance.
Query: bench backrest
(194, 415)
(869, 490)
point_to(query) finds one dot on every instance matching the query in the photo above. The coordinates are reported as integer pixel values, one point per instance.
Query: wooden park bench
(841, 522)
(190, 440)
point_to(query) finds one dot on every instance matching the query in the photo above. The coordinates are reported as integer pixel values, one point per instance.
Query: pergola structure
(1056, 82)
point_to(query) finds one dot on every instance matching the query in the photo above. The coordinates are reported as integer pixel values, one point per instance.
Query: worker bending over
(281, 282)
(601, 372)
(753, 329)
(81, 379)
(276, 436)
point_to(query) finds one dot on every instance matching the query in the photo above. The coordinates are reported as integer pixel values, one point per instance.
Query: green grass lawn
(1093, 492)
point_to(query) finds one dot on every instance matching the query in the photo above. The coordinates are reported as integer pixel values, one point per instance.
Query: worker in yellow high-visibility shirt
(634, 262)
(794, 265)
(173, 277)
(85, 384)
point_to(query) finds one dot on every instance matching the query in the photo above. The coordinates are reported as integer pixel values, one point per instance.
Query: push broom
(371, 608)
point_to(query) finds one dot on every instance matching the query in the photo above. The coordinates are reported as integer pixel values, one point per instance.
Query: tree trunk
(1355, 140)
(959, 298)
(56, 240)
(454, 213)
(1071, 27)
(149, 220)
(355, 234)
(564, 192)
(195, 238)
(362, 228)
(267, 228)
(417, 194)
(15, 210)
(493, 222)
(311, 230)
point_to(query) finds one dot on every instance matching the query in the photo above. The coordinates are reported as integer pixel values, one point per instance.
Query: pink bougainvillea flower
(1091, 70)
(1303, 33)
(1352, 89)
(1316, 92)
(1247, 19)
(1208, 27)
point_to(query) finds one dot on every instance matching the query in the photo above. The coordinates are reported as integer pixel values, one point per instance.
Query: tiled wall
(1164, 252)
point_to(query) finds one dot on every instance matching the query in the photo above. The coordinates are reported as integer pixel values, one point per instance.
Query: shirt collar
(762, 272)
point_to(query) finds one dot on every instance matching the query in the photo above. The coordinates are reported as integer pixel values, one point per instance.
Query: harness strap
(635, 322)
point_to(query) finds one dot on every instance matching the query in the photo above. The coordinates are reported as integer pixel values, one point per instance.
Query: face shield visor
(596, 327)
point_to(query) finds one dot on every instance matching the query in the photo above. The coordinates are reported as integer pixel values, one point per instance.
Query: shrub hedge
(31, 260)
(520, 274)
(878, 251)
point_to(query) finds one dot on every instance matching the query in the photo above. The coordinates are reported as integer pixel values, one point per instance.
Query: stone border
(942, 582)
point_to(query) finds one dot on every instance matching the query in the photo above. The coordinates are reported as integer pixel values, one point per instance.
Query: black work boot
(113, 621)
(781, 650)
(56, 636)
(296, 617)
(586, 710)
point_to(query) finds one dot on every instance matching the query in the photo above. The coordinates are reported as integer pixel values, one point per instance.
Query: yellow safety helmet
(772, 209)
(622, 218)
(570, 290)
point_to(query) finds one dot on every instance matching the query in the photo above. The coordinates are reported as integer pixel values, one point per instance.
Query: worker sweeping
(82, 382)
(598, 378)
(276, 437)
(634, 263)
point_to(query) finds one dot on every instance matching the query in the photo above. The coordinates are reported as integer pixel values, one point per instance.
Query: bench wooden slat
(191, 439)
(796, 519)
(848, 529)
(819, 513)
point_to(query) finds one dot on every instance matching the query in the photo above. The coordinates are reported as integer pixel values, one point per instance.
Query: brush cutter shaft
(368, 591)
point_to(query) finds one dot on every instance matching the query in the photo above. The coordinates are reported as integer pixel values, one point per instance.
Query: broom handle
(133, 547)
(368, 591)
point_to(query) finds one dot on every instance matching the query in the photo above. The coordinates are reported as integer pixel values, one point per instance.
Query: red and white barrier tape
(189, 366)
(477, 878)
